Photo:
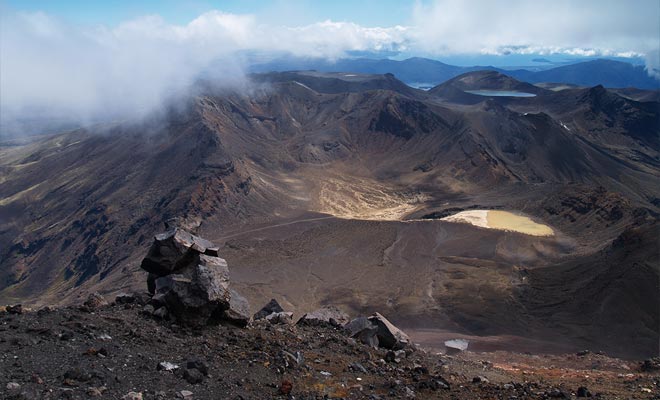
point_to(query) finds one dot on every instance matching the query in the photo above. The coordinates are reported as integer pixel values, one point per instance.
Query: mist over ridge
(56, 69)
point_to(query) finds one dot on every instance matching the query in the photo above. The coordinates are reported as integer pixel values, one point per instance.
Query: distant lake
(500, 93)
(421, 85)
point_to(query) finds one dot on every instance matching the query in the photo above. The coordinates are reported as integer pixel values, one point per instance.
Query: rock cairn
(190, 282)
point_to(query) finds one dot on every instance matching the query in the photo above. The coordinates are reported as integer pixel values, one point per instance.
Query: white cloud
(84, 71)
(585, 28)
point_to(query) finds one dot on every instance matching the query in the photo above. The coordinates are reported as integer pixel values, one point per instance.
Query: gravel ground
(118, 352)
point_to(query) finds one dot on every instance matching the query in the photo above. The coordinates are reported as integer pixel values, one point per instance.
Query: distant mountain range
(426, 72)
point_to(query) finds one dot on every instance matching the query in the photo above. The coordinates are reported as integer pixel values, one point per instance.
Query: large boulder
(377, 331)
(175, 250)
(363, 330)
(328, 315)
(189, 281)
(389, 336)
(196, 296)
(238, 312)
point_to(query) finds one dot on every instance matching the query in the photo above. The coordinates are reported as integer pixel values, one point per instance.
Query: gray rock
(238, 312)
(187, 276)
(363, 330)
(329, 315)
(357, 367)
(272, 307)
(167, 366)
(280, 318)
(175, 250)
(148, 309)
(161, 313)
(185, 395)
(196, 298)
(94, 302)
(13, 386)
(455, 346)
(389, 336)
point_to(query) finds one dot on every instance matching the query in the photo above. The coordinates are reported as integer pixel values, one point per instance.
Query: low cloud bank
(50, 68)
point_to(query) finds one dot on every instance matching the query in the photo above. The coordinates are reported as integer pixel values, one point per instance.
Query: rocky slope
(321, 179)
(119, 352)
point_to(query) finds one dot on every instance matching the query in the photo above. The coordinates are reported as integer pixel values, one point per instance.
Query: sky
(80, 57)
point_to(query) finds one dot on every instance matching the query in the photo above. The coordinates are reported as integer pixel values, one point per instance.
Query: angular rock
(390, 357)
(157, 300)
(166, 366)
(132, 396)
(125, 298)
(389, 336)
(238, 312)
(185, 394)
(583, 392)
(161, 313)
(189, 281)
(328, 315)
(357, 367)
(175, 250)
(272, 307)
(94, 302)
(193, 376)
(15, 309)
(363, 330)
(455, 346)
(195, 299)
(280, 318)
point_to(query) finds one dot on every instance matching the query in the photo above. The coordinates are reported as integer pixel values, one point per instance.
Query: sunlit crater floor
(501, 220)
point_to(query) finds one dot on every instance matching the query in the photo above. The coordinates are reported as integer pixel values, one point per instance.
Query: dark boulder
(583, 392)
(377, 331)
(196, 298)
(363, 330)
(125, 298)
(389, 336)
(189, 282)
(15, 309)
(175, 250)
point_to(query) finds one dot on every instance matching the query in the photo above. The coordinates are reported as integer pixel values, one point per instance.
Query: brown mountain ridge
(316, 186)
